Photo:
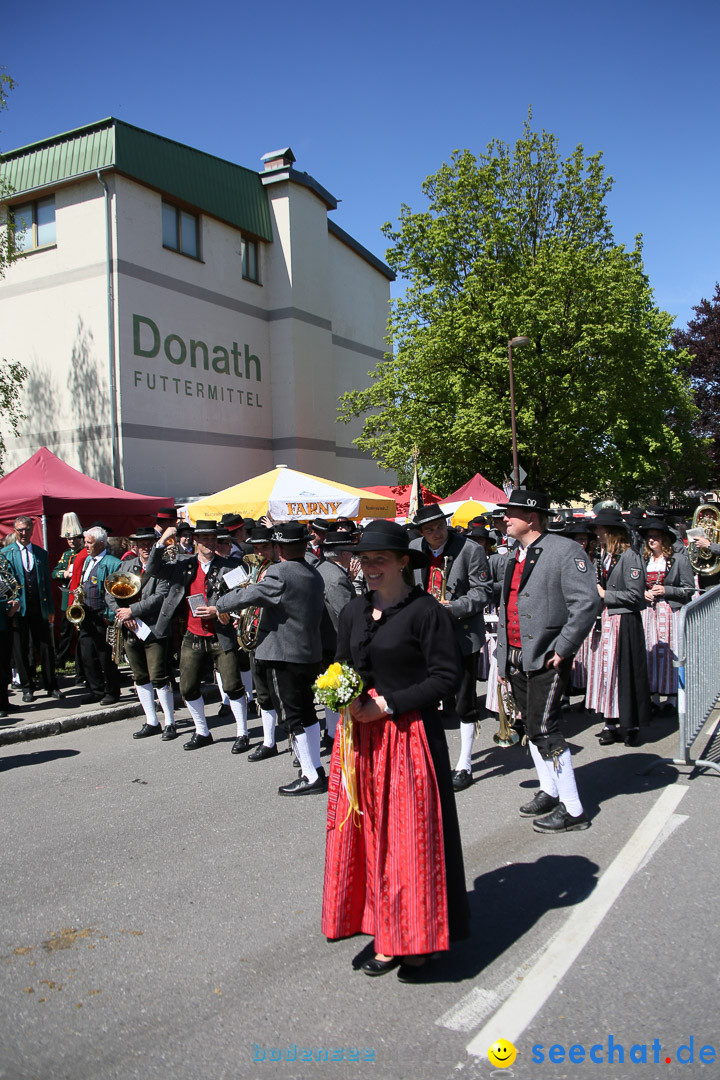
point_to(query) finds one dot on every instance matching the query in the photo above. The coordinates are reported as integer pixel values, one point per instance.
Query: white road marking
(472, 1009)
(669, 829)
(525, 1002)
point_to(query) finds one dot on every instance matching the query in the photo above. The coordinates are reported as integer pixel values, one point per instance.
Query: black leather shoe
(224, 710)
(327, 742)
(609, 735)
(461, 779)
(57, 694)
(541, 804)
(262, 751)
(414, 973)
(373, 966)
(302, 786)
(631, 737)
(197, 741)
(146, 731)
(241, 744)
(560, 821)
(3, 714)
(110, 699)
(169, 733)
(28, 696)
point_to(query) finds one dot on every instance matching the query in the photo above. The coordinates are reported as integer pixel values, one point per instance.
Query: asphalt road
(161, 919)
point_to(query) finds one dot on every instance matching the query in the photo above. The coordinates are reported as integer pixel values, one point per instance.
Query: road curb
(44, 728)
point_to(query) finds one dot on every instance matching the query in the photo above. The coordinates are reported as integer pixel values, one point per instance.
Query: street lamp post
(516, 468)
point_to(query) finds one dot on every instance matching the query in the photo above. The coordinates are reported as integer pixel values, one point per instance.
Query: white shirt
(91, 562)
(28, 559)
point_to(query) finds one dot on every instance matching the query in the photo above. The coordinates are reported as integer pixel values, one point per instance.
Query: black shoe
(541, 804)
(169, 733)
(110, 699)
(414, 973)
(3, 714)
(327, 742)
(197, 741)
(57, 694)
(262, 751)
(609, 735)
(631, 737)
(146, 731)
(28, 696)
(241, 744)
(560, 821)
(224, 710)
(373, 966)
(461, 779)
(302, 786)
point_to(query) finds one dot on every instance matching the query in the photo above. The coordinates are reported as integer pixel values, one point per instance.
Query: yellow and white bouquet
(337, 688)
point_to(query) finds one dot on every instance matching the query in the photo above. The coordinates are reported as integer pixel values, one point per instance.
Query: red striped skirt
(660, 625)
(602, 668)
(387, 877)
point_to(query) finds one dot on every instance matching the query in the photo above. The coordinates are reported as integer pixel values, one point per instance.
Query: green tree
(519, 242)
(12, 373)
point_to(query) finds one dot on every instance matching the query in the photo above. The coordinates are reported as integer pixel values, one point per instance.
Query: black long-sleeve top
(409, 656)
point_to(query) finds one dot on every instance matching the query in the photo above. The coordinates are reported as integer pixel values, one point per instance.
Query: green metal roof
(227, 191)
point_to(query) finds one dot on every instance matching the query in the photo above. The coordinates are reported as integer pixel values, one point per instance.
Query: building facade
(186, 322)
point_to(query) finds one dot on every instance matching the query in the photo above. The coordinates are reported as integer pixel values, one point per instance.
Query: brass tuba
(76, 608)
(707, 518)
(249, 621)
(124, 587)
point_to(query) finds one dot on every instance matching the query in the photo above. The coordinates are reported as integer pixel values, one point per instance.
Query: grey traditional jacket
(292, 596)
(625, 587)
(679, 580)
(469, 588)
(339, 591)
(180, 575)
(152, 596)
(558, 601)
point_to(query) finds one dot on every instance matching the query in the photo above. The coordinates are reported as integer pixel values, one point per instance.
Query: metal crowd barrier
(698, 665)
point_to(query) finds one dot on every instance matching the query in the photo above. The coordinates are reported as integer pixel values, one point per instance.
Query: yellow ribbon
(345, 733)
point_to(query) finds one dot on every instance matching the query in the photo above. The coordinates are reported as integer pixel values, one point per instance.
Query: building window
(180, 230)
(34, 225)
(250, 265)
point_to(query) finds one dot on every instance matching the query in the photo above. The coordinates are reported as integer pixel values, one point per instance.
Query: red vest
(513, 619)
(200, 627)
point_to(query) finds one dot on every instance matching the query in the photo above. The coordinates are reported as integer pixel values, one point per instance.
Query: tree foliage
(12, 373)
(702, 341)
(519, 242)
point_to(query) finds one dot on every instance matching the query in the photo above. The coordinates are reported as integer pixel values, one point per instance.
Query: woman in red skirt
(396, 871)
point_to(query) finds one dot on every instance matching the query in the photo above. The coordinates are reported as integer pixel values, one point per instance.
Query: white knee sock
(167, 702)
(331, 721)
(545, 771)
(269, 720)
(146, 695)
(239, 711)
(566, 786)
(467, 733)
(247, 683)
(313, 737)
(224, 699)
(302, 749)
(197, 711)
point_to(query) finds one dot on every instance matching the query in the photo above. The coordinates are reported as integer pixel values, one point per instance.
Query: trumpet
(505, 736)
(76, 610)
(439, 592)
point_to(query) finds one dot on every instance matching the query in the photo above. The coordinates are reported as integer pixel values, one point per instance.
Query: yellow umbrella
(290, 495)
(466, 512)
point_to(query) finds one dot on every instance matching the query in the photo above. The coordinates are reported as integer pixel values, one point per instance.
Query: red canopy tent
(479, 489)
(401, 494)
(45, 488)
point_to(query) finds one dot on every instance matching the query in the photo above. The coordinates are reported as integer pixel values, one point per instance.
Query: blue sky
(374, 97)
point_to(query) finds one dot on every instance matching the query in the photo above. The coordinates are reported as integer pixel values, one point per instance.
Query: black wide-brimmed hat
(223, 535)
(426, 514)
(523, 499)
(166, 513)
(345, 523)
(338, 539)
(184, 527)
(320, 524)
(230, 522)
(261, 534)
(657, 524)
(145, 532)
(610, 519)
(480, 532)
(291, 532)
(498, 512)
(206, 525)
(381, 535)
(579, 528)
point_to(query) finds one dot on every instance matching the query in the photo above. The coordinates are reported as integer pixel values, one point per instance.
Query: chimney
(278, 159)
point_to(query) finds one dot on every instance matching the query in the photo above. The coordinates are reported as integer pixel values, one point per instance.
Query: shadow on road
(38, 758)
